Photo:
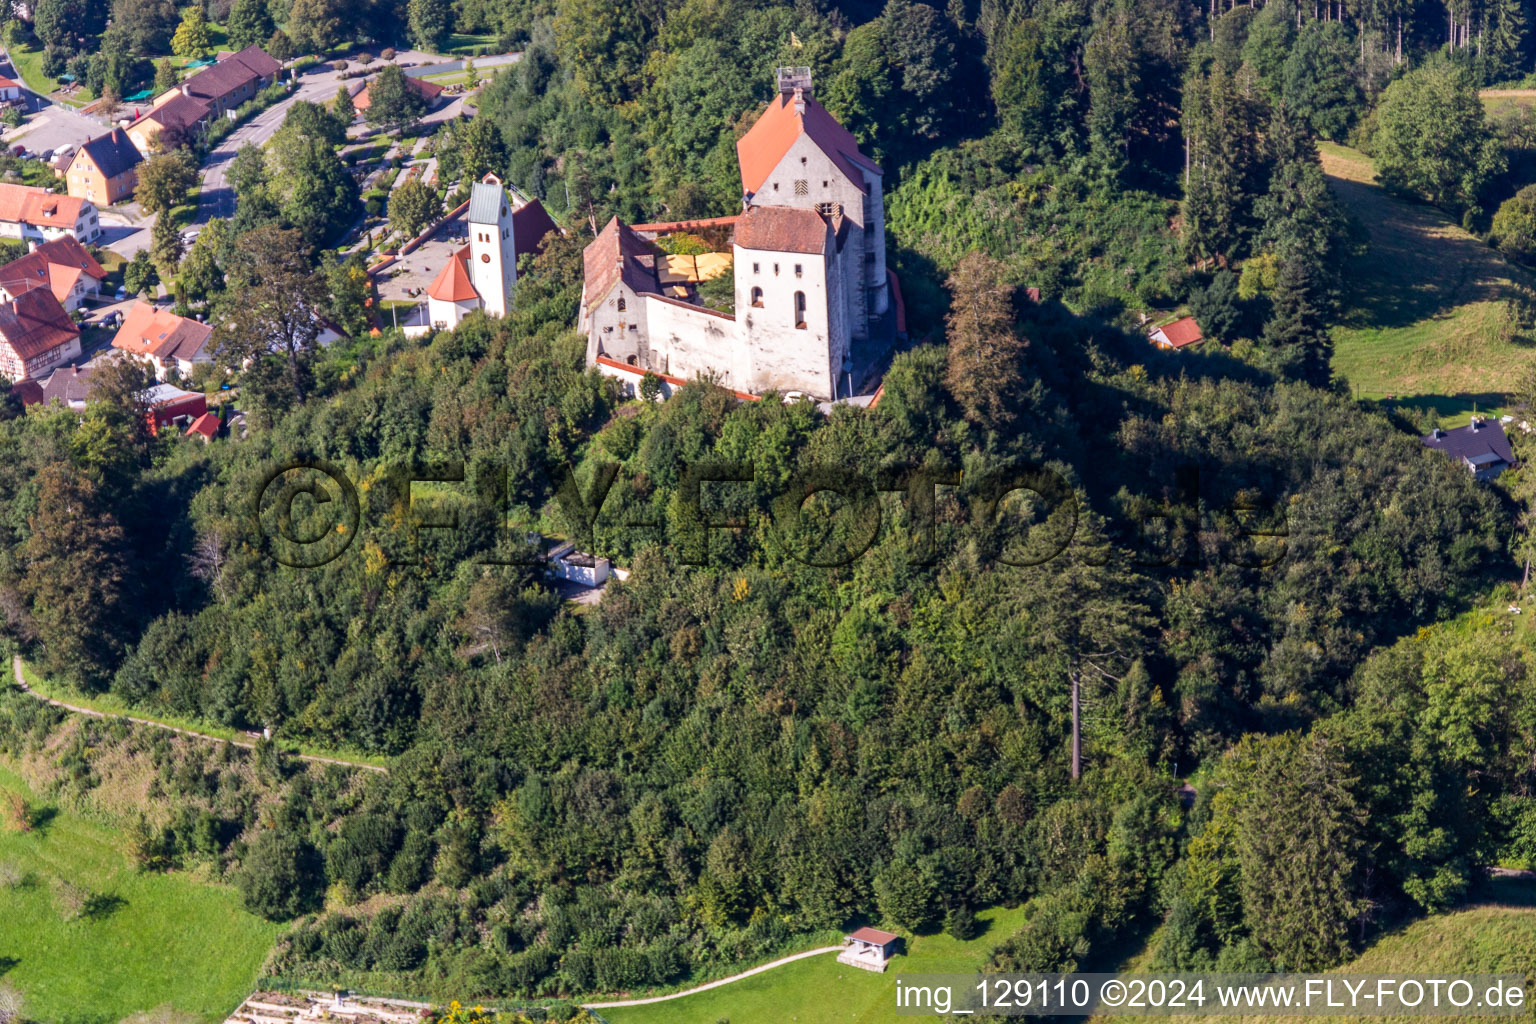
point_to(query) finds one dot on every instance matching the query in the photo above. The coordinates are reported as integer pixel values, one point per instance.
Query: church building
(808, 259)
(503, 224)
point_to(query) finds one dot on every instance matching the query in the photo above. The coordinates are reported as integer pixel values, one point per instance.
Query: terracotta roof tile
(150, 331)
(783, 229)
(56, 265)
(452, 284)
(617, 253)
(34, 323)
(781, 125)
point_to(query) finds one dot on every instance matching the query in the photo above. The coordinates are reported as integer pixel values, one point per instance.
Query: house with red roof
(36, 335)
(430, 92)
(63, 266)
(807, 258)
(37, 215)
(205, 427)
(10, 90)
(503, 225)
(164, 340)
(1182, 333)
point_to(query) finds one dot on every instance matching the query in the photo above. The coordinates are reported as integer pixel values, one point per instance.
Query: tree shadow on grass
(42, 819)
(102, 905)
(7, 963)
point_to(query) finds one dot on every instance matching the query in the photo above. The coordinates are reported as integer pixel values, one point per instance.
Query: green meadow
(143, 940)
(1429, 317)
(822, 991)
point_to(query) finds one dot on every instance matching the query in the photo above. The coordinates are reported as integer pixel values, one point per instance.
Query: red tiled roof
(1184, 331)
(668, 226)
(34, 323)
(874, 935)
(530, 224)
(428, 91)
(150, 331)
(206, 425)
(783, 229)
(23, 204)
(55, 265)
(452, 284)
(617, 253)
(9, 83)
(781, 125)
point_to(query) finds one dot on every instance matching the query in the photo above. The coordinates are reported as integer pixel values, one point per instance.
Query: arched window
(621, 303)
(757, 297)
(800, 310)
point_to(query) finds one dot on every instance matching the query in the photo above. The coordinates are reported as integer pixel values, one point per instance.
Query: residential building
(36, 215)
(63, 266)
(205, 427)
(1481, 446)
(1182, 333)
(503, 224)
(171, 406)
(166, 341)
(216, 91)
(69, 386)
(10, 90)
(808, 257)
(36, 335)
(431, 92)
(105, 169)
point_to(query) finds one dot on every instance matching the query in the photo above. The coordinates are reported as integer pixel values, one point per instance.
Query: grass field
(1429, 316)
(458, 44)
(821, 991)
(1490, 937)
(152, 939)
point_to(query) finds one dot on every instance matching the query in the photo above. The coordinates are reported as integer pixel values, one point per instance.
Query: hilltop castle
(807, 255)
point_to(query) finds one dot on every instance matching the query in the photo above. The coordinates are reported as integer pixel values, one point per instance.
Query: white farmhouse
(503, 224)
(808, 253)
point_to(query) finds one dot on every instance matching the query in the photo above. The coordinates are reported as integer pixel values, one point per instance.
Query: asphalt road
(317, 85)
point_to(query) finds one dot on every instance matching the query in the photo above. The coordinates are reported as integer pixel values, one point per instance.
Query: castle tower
(492, 245)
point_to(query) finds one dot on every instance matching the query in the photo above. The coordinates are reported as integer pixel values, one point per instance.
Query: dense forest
(1268, 588)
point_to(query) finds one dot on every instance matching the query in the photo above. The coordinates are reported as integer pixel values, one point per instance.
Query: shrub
(18, 816)
(11, 875)
(388, 53)
(70, 900)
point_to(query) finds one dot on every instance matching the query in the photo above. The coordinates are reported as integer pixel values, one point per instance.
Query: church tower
(492, 245)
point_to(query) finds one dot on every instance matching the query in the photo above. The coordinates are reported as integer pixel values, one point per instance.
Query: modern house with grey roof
(1481, 446)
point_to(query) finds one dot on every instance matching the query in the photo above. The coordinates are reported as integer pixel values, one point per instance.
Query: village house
(164, 340)
(430, 92)
(1481, 446)
(36, 335)
(205, 427)
(10, 91)
(63, 266)
(807, 256)
(1182, 333)
(105, 169)
(216, 91)
(36, 215)
(503, 224)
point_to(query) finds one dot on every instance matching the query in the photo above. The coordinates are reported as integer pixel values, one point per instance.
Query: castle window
(802, 187)
(621, 303)
(829, 209)
(757, 297)
(798, 271)
(825, 184)
(503, 233)
(775, 186)
(757, 268)
(800, 310)
(775, 270)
